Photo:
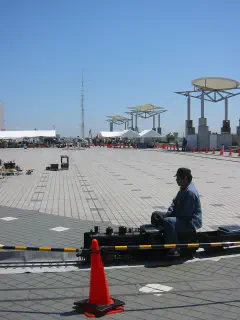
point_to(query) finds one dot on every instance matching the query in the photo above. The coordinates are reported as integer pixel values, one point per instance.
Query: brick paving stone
(128, 185)
(98, 189)
(52, 295)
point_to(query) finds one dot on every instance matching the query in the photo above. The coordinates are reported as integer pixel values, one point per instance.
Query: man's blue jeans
(172, 227)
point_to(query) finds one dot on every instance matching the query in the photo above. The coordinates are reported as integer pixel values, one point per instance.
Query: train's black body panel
(148, 234)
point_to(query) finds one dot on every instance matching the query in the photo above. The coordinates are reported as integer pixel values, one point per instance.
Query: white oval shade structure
(215, 83)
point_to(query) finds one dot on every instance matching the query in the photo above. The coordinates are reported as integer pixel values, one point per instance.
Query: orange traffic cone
(230, 152)
(99, 303)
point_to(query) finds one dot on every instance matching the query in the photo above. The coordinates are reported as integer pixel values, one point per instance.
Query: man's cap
(183, 172)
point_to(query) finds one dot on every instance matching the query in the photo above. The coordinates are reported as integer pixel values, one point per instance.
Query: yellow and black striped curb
(125, 248)
(23, 248)
(171, 246)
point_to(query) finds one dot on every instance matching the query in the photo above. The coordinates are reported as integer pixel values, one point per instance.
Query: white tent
(119, 134)
(27, 134)
(129, 134)
(109, 134)
(149, 134)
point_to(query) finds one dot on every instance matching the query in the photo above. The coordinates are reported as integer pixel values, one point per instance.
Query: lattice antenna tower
(82, 107)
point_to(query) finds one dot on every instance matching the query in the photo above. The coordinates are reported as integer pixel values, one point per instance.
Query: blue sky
(133, 52)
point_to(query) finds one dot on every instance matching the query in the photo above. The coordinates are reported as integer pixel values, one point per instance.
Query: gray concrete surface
(106, 186)
(120, 186)
(207, 290)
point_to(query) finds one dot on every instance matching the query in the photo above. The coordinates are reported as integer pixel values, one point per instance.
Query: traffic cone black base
(97, 311)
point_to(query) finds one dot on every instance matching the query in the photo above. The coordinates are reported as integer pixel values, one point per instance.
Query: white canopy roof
(123, 134)
(109, 134)
(149, 134)
(129, 134)
(27, 134)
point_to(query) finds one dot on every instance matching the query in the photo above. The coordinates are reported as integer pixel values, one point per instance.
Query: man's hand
(157, 218)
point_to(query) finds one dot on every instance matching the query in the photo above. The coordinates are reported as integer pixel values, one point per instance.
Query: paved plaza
(204, 290)
(120, 186)
(114, 187)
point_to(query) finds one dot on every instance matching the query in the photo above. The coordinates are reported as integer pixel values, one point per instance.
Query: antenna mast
(82, 107)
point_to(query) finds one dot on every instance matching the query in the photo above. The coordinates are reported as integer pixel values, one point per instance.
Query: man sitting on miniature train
(184, 214)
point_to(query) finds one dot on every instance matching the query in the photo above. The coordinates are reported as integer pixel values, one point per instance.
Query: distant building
(2, 126)
(238, 129)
